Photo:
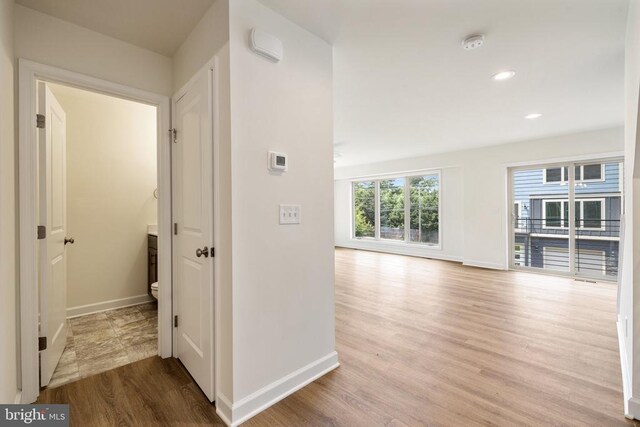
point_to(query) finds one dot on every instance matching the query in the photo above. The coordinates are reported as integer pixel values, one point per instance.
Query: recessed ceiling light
(533, 116)
(503, 75)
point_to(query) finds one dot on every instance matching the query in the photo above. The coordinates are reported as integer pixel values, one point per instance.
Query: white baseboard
(239, 412)
(399, 249)
(629, 411)
(223, 408)
(83, 310)
(483, 264)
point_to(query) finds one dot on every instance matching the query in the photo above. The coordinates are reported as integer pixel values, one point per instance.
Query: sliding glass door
(565, 218)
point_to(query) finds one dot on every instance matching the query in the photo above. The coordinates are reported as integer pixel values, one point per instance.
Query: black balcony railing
(544, 243)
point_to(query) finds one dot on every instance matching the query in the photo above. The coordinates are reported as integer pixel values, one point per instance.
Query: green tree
(424, 208)
(365, 210)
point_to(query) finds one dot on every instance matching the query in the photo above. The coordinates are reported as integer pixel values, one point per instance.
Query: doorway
(30, 74)
(565, 218)
(98, 166)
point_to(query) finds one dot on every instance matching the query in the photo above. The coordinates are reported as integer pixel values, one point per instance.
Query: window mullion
(407, 208)
(377, 201)
(572, 218)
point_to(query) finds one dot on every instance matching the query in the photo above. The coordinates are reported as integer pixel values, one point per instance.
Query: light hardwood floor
(424, 342)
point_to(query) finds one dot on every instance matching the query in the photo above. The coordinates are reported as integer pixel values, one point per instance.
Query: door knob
(204, 251)
(68, 240)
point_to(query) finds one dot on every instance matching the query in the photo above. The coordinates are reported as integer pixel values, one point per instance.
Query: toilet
(154, 290)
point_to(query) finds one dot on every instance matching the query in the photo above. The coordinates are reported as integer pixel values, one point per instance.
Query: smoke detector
(473, 42)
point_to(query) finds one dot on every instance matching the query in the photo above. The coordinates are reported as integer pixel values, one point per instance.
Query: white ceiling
(158, 25)
(405, 87)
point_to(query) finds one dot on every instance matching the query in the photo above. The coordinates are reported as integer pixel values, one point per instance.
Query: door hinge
(42, 232)
(174, 134)
(40, 121)
(175, 228)
(42, 343)
(175, 321)
(213, 252)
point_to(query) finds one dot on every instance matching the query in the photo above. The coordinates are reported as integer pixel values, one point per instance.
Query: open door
(52, 210)
(193, 215)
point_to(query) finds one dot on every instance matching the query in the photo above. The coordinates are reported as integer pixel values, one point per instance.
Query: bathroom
(110, 179)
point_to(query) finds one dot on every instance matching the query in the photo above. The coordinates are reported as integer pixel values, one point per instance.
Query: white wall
(8, 282)
(208, 39)
(283, 276)
(111, 176)
(48, 40)
(629, 301)
(475, 200)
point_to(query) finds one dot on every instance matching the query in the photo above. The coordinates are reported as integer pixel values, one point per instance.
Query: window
(592, 214)
(402, 209)
(424, 209)
(364, 203)
(392, 209)
(583, 173)
(589, 214)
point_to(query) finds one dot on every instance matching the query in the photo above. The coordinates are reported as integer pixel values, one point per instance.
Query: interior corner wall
(474, 191)
(210, 39)
(111, 146)
(629, 303)
(8, 270)
(51, 41)
(283, 275)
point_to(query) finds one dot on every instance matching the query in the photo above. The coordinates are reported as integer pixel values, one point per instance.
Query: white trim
(83, 310)
(483, 264)
(256, 402)
(18, 398)
(624, 364)
(633, 408)
(223, 408)
(397, 248)
(562, 161)
(29, 73)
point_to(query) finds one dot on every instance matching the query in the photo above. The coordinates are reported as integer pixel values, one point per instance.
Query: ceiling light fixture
(503, 75)
(533, 116)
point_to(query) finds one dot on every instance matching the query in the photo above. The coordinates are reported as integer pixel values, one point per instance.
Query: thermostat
(278, 161)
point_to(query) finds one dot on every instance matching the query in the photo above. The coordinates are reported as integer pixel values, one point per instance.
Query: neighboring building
(541, 218)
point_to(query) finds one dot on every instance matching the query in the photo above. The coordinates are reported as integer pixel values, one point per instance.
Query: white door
(193, 213)
(52, 206)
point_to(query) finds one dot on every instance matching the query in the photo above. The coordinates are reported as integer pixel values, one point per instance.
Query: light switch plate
(290, 214)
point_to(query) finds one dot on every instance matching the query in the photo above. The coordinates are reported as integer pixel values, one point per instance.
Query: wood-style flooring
(421, 342)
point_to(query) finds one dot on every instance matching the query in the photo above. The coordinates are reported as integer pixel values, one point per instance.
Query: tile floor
(103, 341)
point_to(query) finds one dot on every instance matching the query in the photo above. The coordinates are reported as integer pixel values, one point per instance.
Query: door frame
(558, 161)
(28, 75)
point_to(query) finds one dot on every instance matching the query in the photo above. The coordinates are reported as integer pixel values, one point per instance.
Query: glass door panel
(540, 218)
(598, 198)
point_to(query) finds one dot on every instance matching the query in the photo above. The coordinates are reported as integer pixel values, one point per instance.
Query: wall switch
(290, 214)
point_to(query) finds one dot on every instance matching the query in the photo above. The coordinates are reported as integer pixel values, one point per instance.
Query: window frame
(407, 207)
(603, 215)
(565, 179)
